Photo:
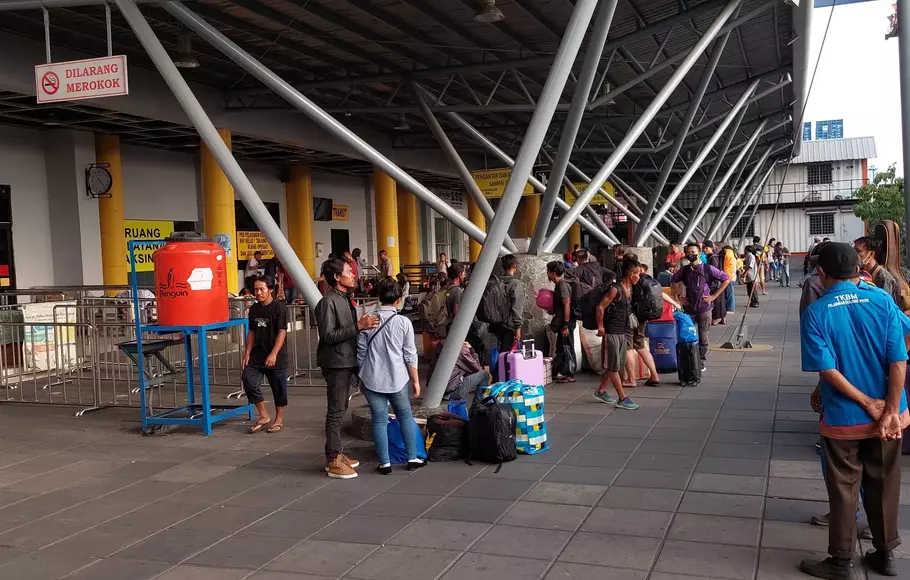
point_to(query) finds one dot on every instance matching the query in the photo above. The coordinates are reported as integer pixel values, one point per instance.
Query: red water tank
(191, 281)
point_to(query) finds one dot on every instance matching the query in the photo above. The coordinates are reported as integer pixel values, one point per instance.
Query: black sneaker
(881, 561)
(414, 464)
(385, 469)
(830, 569)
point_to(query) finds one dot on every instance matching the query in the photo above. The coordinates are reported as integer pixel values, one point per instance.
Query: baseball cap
(839, 260)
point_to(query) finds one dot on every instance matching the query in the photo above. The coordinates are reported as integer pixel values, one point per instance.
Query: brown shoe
(824, 520)
(353, 463)
(339, 469)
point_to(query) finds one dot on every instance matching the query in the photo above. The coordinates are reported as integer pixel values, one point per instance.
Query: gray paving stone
(592, 458)
(784, 564)
(715, 529)
(526, 514)
(290, 524)
(630, 522)
(102, 541)
(484, 488)
(568, 571)
(44, 566)
(392, 504)
(720, 504)
(674, 434)
(452, 535)
(788, 488)
(403, 562)
(743, 437)
(793, 510)
(801, 439)
(794, 536)
(692, 413)
(472, 566)
(436, 484)
(623, 552)
(40, 533)
(737, 450)
(642, 419)
(224, 519)
(186, 572)
(566, 493)
(663, 462)
(707, 559)
(794, 452)
(172, 546)
(505, 540)
(620, 431)
(516, 470)
(363, 529)
(608, 444)
(665, 500)
(798, 469)
(652, 479)
(583, 475)
(321, 558)
(692, 448)
(474, 510)
(326, 501)
(244, 551)
(114, 569)
(138, 470)
(733, 466)
(719, 483)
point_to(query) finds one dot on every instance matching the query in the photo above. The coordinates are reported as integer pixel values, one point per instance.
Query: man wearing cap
(853, 337)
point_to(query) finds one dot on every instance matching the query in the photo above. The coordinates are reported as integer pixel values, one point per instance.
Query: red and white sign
(81, 79)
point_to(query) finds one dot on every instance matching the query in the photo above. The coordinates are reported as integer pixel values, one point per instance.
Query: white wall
(159, 185)
(354, 192)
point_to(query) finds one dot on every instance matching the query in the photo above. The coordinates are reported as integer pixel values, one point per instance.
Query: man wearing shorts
(266, 354)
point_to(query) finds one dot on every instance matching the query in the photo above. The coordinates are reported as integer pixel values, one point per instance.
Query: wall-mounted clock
(98, 180)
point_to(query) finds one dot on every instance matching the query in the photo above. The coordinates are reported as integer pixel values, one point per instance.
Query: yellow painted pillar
(386, 202)
(408, 230)
(574, 236)
(114, 254)
(298, 194)
(532, 210)
(218, 209)
(476, 217)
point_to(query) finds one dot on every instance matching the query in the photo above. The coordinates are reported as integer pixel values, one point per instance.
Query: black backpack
(495, 305)
(579, 290)
(647, 299)
(589, 303)
(448, 436)
(491, 432)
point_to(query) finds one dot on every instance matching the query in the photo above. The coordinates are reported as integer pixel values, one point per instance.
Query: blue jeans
(784, 274)
(379, 409)
(730, 297)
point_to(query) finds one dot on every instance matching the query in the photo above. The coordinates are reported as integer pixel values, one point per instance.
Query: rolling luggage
(662, 341)
(689, 363)
(525, 365)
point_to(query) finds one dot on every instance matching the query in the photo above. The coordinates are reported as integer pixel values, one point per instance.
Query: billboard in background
(807, 131)
(829, 129)
(492, 182)
(157, 230)
(598, 199)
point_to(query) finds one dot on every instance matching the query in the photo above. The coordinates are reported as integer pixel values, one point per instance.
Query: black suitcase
(689, 363)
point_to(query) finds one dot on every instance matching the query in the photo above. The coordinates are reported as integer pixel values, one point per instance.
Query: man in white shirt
(253, 266)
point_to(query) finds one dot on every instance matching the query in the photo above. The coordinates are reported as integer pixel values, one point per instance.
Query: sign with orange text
(81, 79)
(248, 243)
(492, 182)
(340, 213)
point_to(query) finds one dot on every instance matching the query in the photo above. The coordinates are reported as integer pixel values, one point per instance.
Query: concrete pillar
(299, 199)
(114, 269)
(531, 211)
(218, 209)
(386, 206)
(476, 217)
(574, 236)
(644, 254)
(408, 227)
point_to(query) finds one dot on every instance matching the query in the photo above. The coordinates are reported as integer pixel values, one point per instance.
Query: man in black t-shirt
(266, 354)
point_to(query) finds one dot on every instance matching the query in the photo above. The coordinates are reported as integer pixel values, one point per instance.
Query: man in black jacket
(336, 355)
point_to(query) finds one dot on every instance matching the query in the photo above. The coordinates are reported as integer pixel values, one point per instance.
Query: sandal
(565, 380)
(275, 428)
(650, 383)
(258, 427)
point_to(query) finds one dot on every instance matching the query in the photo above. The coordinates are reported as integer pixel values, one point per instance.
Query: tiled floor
(713, 482)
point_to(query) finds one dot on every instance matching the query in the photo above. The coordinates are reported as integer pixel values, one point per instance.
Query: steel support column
(690, 173)
(219, 150)
(638, 128)
(703, 206)
(323, 119)
(737, 194)
(524, 164)
(599, 32)
(463, 172)
(746, 201)
(681, 134)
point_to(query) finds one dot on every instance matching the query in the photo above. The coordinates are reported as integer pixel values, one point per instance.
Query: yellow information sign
(250, 242)
(340, 213)
(145, 230)
(599, 198)
(492, 182)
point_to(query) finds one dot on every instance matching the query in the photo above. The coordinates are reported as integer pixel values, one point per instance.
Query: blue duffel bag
(397, 454)
(686, 331)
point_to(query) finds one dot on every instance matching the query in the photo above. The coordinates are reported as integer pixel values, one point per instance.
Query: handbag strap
(378, 330)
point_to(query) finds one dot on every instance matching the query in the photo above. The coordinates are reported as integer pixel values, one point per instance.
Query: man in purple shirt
(704, 284)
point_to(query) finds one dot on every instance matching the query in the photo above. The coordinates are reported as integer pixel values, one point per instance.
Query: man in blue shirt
(853, 337)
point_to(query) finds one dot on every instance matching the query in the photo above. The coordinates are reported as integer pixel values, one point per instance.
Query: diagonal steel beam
(731, 191)
(598, 37)
(724, 211)
(747, 195)
(757, 197)
(638, 128)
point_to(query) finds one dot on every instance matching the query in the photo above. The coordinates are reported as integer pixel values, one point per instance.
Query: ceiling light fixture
(185, 58)
(489, 13)
(403, 124)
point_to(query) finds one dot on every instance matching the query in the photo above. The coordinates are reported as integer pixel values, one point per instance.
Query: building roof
(837, 150)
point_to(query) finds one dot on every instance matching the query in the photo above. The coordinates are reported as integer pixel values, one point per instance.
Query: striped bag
(527, 402)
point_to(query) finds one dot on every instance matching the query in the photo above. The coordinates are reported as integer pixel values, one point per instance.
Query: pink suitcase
(526, 365)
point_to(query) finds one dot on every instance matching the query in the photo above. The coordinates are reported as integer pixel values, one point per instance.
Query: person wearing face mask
(866, 248)
(698, 301)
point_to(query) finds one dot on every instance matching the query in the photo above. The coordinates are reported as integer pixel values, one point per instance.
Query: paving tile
(186, 572)
(565, 493)
(192, 472)
(114, 569)
(472, 566)
(592, 458)
(583, 475)
(721, 504)
(674, 434)
(788, 488)
(138, 470)
(244, 551)
(40, 533)
(403, 562)
(290, 524)
(43, 566)
(718, 483)
(733, 466)
(708, 560)
(794, 536)
(663, 462)
(744, 437)
(522, 542)
(326, 501)
(221, 518)
(568, 571)
(638, 419)
(169, 546)
(160, 514)
(473, 510)
(484, 488)
(102, 541)
(652, 479)
(453, 535)
(321, 558)
(99, 510)
(670, 447)
(271, 575)
(793, 510)
(548, 516)
(630, 522)
(737, 450)
(715, 529)
(620, 431)
(516, 470)
(10, 554)
(437, 484)
(664, 500)
(363, 529)
(148, 490)
(707, 413)
(796, 469)
(784, 564)
(623, 552)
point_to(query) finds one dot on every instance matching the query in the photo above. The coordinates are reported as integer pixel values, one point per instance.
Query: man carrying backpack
(508, 329)
(563, 323)
(457, 275)
(698, 301)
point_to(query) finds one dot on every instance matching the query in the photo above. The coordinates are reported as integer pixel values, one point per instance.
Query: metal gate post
(524, 164)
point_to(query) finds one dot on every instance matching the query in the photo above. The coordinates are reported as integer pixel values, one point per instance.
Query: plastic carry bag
(565, 363)
(397, 453)
(527, 402)
(686, 331)
(458, 408)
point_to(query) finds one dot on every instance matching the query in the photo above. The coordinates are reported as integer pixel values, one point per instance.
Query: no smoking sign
(50, 83)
